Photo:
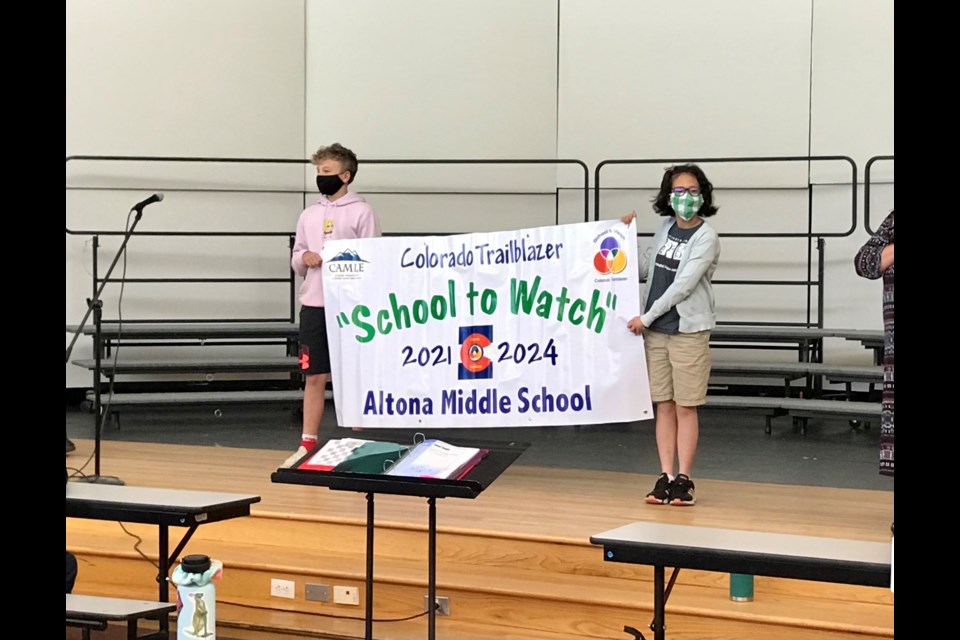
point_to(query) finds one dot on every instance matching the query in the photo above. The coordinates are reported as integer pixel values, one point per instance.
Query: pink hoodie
(348, 217)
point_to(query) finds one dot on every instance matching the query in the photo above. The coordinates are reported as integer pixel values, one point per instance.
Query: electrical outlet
(346, 595)
(283, 588)
(443, 605)
(316, 592)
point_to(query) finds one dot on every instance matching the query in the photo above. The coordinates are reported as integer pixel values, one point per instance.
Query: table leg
(659, 604)
(163, 572)
(163, 563)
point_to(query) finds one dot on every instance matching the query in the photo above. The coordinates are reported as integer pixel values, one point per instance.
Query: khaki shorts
(678, 366)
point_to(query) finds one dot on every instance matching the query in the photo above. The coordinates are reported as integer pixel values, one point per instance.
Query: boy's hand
(311, 259)
(630, 217)
(635, 325)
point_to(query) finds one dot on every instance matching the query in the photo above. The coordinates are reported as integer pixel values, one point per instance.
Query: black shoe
(661, 490)
(70, 446)
(681, 492)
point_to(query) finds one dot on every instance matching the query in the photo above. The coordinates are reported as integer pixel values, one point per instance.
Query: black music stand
(501, 455)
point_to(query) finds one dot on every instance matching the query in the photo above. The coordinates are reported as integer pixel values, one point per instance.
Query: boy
(338, 214)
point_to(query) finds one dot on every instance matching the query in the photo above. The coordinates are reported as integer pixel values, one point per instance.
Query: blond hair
(338, 152)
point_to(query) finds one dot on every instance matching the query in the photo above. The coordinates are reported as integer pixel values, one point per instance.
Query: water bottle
(196, 597)
(741, 587)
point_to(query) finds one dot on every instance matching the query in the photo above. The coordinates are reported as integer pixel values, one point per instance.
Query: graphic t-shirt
(664, 272)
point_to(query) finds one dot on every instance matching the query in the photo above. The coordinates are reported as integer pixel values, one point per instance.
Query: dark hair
(661, 204)
(338, 152)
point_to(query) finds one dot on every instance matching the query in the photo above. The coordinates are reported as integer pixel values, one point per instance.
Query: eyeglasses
(694, 191)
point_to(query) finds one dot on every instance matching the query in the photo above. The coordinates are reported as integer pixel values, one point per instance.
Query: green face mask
(686, 205)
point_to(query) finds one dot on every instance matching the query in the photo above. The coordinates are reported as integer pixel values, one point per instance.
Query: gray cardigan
(691, 292)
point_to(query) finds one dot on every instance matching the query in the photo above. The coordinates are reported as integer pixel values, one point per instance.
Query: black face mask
(329, 185)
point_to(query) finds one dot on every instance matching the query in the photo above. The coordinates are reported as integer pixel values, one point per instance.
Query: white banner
(505, 329)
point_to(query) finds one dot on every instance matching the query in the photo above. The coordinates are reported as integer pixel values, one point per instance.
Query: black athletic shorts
(314, 348)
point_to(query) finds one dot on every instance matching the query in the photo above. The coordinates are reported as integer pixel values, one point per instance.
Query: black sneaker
(70, 446)
(661, 490)
(681, 492)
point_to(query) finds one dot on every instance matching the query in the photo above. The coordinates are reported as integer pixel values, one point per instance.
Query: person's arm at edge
(876, 255)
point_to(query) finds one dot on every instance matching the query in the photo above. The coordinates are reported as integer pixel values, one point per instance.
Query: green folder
(372, 457)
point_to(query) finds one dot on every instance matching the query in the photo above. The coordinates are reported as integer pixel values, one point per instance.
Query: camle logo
(474, 363)
(610, 258)
(347, 261)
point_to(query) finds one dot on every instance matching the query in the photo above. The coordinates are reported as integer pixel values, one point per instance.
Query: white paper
(433, 459)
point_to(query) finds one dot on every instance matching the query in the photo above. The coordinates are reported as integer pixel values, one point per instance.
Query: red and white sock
(308, 442)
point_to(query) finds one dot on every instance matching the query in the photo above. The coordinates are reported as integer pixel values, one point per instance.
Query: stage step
(539, 586)
(516, 561)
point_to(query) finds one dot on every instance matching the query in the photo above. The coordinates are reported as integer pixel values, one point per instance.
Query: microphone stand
(95, 306)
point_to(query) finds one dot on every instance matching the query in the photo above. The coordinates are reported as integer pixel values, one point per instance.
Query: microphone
(157, 197)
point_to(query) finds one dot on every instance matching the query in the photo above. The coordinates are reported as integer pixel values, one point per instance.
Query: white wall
(585, 79)
(178, 77)
(851, 113)
(851, 108)
(219, 78)
(433, 78)
(442, 80)
(663, 79)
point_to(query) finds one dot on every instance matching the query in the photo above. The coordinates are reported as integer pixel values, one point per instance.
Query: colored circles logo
(610, 258)
(474, 362)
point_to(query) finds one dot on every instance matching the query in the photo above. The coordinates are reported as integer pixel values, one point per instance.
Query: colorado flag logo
(474, 363)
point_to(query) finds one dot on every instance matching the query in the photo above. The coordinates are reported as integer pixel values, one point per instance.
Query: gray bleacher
(806, 340)
(812, 365)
